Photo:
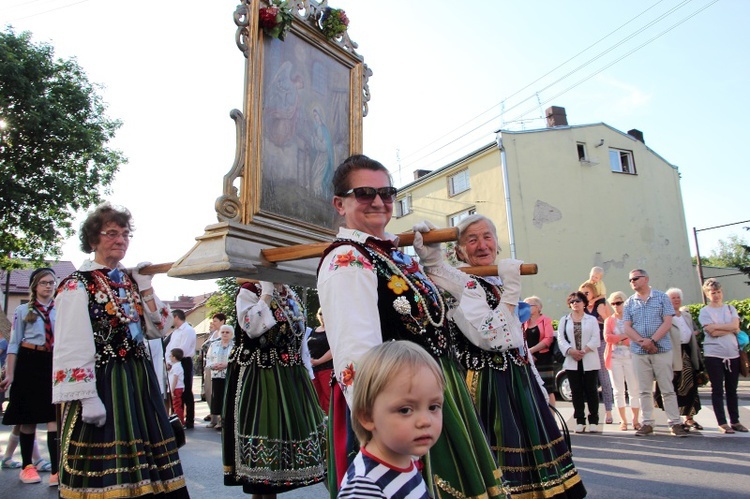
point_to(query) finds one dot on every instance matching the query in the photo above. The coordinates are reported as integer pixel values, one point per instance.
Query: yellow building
(567, 198)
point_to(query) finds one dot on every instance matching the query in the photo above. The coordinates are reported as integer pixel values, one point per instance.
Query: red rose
(268, 17)
(342, 17)
(60, 376)
(123, 352)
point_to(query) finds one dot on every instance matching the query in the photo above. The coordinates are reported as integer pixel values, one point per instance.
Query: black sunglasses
(575, 301)
(633, 279)
(367, 194)
(616, 303)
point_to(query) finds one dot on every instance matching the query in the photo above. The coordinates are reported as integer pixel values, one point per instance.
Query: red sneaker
(30, 475)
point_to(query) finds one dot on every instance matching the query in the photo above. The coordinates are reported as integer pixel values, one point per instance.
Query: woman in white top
(217, 360)
(617, 360)
(721, 352)
(578, 338)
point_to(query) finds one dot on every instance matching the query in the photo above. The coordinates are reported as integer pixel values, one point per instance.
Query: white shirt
(184, 338)
(685, 332)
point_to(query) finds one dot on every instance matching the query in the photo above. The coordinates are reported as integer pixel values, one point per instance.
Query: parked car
(554, 375)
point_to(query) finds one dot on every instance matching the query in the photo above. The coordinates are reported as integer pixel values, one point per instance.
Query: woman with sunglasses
(372, 293)
(29, 371)
(578, 338)
(617, 360)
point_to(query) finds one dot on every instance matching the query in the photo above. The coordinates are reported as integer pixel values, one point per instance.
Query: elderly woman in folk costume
(505, 385)
(273, 428)
(372, 293)
(116, 437)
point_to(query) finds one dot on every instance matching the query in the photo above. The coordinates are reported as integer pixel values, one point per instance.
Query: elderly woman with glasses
(29, 371)
(617, 360)
(578, 338)
(116, 437)
(372, 293)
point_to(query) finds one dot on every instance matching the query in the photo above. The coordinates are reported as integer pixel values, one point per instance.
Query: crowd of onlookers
(642, 352)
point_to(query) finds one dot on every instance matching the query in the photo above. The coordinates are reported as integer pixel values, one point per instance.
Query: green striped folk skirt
(524, 436)
(273, 430)
(134, 454)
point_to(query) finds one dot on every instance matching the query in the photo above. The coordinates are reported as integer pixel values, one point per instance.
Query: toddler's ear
(366, 421)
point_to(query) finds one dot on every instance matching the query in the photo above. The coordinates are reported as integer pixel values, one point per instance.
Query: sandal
(636, 425)
(693, 424)
(9, 464)
(725, 428)
(739, 427)
(43, 465)
(623, 426)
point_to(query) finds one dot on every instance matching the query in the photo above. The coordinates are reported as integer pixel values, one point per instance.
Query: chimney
(636, 134)
(556, 116)
(420, 173)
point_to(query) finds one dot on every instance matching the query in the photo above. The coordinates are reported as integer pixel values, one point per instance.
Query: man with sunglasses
(648, 318)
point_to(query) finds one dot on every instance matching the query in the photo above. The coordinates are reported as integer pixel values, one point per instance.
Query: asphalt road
(613, 465)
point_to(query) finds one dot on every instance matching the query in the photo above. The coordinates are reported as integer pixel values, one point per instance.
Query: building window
(453, 220)
(403, 206)
(621, 161)
(458, 183)
(581, 146)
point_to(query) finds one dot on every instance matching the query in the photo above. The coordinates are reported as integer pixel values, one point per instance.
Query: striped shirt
(646, 317)
(368, 477)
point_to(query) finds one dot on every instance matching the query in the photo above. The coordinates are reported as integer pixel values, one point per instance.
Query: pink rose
(268, 17)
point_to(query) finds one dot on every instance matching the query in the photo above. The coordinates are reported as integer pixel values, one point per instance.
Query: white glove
(266, 288)
(93, 411)
(430, 255)
(142, 280)
(509, 270)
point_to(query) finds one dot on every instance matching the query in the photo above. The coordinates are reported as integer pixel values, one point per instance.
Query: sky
(446, 76)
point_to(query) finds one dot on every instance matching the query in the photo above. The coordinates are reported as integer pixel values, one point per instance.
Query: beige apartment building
(566, 197)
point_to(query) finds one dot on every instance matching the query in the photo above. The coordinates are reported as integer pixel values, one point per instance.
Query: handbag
(744, 364)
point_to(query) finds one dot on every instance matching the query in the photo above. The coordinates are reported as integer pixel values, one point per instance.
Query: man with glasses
(648, 318)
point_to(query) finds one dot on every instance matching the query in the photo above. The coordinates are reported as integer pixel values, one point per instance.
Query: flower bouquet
(276, 19)
(333, 23)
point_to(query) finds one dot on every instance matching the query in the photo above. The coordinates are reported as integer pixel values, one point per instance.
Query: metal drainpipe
(508, 209)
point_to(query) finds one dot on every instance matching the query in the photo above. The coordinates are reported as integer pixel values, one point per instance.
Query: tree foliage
(54, 159)
(224, 301)
(745, 266)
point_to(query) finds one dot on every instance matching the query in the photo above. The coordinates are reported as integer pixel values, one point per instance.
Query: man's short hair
(177, 353)
(640, 271)
(180, 314)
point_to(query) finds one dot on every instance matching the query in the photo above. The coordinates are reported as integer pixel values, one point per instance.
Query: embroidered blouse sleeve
(485, 327)
(74, 355)
(348, 290)
(159, 321)
(253, 315)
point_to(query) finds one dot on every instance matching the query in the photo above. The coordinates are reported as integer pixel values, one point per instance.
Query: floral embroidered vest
(402, 311)
(280, 345)
(470, 356)
(111, 335)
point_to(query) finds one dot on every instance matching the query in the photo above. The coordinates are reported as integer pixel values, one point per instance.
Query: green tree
(224, 300)
(54, 159)
(745, 267)
(731, 253)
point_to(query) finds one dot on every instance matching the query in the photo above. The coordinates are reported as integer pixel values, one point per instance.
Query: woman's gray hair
(674, 290)
(464, 224)
(617, 294)
(534, 300)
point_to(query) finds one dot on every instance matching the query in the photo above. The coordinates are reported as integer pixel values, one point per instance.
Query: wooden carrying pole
(315, 250)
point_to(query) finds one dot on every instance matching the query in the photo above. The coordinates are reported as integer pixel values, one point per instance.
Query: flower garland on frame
(333, 23)
(276, 19)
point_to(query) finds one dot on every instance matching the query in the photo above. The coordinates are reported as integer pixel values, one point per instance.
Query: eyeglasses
(47, 283)
(113, 234)
(367, 194)
(616, 303)
(633, 279)
(575, 301)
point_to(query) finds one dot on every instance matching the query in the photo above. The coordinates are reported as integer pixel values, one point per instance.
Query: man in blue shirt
(648, 318)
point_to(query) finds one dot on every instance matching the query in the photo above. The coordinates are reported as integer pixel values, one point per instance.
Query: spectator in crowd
(271, 405)
(177, 382)
(721, 323)
(364, 271)
(540, 335)
(214, 326)
(396, 373)
(595, 277)
(29, 372)
(113, 416)
(647, 316)
(684, 381)
(184, 338)
(322, 362)
(578, 338)
(218, 359)
(619, 364)
(599, 309)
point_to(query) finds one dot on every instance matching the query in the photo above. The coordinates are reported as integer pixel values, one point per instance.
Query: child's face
(407, 417)
(595, 277)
